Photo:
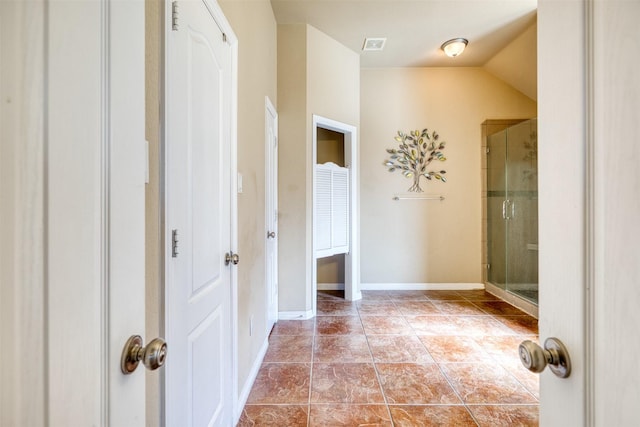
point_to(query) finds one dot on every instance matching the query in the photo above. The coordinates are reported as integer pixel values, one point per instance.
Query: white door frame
(232, 40)
(352, 290)
(271, 192)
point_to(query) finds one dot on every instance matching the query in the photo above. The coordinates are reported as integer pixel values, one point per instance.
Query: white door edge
(271, 198)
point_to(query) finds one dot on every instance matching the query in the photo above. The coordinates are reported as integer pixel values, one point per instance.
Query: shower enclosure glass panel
(512, 210)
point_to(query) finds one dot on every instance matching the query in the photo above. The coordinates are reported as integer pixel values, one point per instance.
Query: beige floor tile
(349, 415)
(398, 349)
(431, 415)
(411, 383)
(345, 383)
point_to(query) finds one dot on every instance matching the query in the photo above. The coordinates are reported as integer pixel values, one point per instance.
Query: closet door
(332, 210)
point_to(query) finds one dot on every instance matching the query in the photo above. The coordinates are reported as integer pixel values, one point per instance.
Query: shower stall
(512, 209)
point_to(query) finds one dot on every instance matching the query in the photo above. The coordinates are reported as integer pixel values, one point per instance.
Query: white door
(198, 383)
(75, 94)
(271, 220)
(589, 98)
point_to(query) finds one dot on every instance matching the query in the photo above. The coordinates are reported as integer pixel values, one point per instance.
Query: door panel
(205, 162)
(207, 396)
(198, 289)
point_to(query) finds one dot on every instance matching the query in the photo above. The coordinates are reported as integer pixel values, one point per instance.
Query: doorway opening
(335, 261)
(330, 269)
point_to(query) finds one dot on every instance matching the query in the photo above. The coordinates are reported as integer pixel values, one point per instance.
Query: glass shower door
(496, 196)
(512, 210)
(521, 210)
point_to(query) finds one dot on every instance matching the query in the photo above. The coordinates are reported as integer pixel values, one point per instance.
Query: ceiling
(415, 29)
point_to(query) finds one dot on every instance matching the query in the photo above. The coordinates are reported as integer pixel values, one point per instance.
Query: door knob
(271, 234)
(152, 356)
(554, 354)
(231, 258)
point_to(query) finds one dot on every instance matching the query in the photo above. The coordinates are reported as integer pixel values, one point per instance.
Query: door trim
(594, 227)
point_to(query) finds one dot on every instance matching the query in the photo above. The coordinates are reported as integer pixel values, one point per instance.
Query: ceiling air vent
(374, 43)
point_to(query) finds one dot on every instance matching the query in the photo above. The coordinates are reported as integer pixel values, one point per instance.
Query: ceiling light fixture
(454, 47)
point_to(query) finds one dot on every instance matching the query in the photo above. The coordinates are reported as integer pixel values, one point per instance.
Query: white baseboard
(295, 315)
(251, 379)
(404, 286)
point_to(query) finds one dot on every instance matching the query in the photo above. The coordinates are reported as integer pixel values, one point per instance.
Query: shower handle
(508, 209)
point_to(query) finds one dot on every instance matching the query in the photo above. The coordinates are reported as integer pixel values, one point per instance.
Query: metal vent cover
(376, 43)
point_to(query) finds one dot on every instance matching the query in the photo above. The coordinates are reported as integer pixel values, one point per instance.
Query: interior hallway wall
(254, 24)
(427, 241)
(316, 75)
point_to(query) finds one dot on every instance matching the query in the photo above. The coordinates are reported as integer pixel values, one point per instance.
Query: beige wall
(427, 241)
(292, 165)
(333, 79)
(316, 75)
(517, 63)
(254, 25)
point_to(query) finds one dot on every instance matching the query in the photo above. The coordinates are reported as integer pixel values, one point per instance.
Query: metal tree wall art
(415, 152)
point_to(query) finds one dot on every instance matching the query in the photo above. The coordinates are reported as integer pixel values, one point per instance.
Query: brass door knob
(231, 258)
(152, 355)
(554, 354)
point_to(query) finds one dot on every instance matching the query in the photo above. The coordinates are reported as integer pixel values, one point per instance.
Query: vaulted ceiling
(415, 29)
(501, 33)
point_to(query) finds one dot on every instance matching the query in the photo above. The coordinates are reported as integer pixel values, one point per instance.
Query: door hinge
(174, 16)
(174, 243)
(224, 37)
(488, 150)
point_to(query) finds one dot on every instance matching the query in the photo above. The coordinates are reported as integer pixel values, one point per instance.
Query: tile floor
(401, 358)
